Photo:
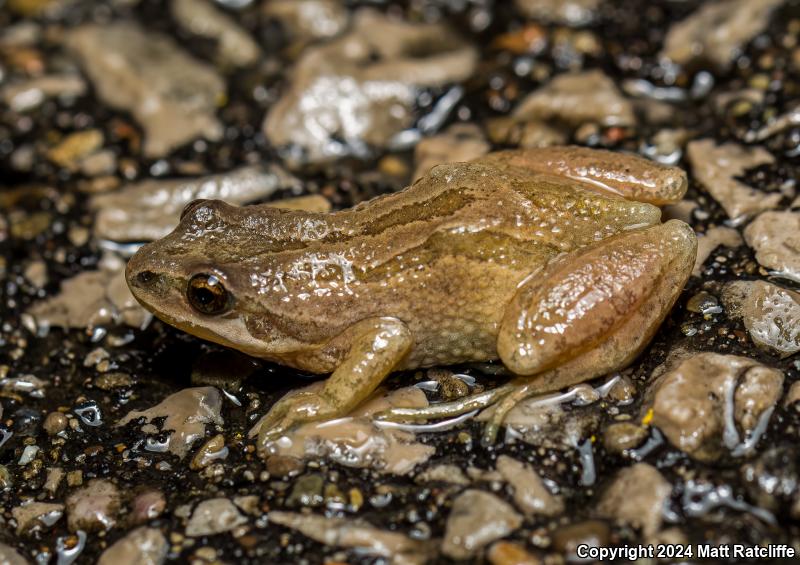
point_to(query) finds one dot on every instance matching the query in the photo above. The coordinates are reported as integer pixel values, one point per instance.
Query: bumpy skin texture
(536, 257)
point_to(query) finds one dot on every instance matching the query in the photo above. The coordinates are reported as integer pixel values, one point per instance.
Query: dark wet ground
(39, 207)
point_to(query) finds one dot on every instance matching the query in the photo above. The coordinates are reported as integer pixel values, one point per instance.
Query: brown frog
(554, 261)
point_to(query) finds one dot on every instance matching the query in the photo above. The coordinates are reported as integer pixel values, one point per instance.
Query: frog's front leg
(373, 348)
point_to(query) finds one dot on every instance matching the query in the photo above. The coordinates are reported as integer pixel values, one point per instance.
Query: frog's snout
(144, 280)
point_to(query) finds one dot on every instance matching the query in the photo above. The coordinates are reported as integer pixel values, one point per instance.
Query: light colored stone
(477, 519)
(142, 546)
(93, 507)
(443, 474)
(187, 413)
(530, 494)
(10, 556)
(706, 403)
(358, 91)
(717, 31)
(202, 18)
(214, 516)
(173, 96)
(636, 497)
(309, 20)
(150, 209)
(717, 166)
(775, 237)
(771, 314)
(575, 99)
(344, 532)
(34, 516)
(26, 95)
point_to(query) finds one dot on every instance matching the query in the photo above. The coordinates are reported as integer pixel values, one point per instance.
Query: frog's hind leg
(374, 347)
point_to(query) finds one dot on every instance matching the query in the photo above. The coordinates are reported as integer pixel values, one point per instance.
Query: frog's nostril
(146, 277)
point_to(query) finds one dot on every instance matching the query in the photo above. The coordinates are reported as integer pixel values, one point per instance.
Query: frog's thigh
(593, 312)
(376, 347)
(628, 175)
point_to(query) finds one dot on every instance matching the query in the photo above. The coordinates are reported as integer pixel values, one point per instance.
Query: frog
(554, 262)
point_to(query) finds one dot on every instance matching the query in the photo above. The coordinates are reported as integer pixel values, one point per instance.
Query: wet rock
(771, 314)
(717, 31)
(773, 480)
(145, 546)
(200, 17)
(477, 519)
(91, 299)
(26, 95)
(284, 465)
(146, 506)
(172, 95)
(76, 147)
(574, 99)
(592, 533)
(510, 553)
(701, 403)
(34, 516)
(309, 20)
(636, 497)
(793, 395)
(505, 130)
(443, 474)
(212, 450)
(621, 436)
(460, 142)
(358, 91)
(775, 237)
(569, 12)
(708, 242)
(308, 203)
(9, 556)
(623, 391)
(717, 168)
(93, 508)
(187, 412)
(54, 477)
(54, 423)
(780, 124)
(530, 494)
(343, 532)
(307, 491)
(149, 210)
(214, 516)
(357, 441)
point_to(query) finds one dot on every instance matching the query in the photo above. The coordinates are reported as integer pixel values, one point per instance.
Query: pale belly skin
(554, 261)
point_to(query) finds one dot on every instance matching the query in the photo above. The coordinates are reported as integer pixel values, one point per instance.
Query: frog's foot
(374, 348)
(292, 410)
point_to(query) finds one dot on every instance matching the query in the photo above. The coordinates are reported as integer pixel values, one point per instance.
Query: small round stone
(55, 422)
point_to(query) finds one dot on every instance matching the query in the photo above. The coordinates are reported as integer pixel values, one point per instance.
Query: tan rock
(33, 516)
(460, 142)
(143, 546)
(636, 497)
(309, 20)
(357, 91)
(530, 494)
(775, 237)
(771, 314)
(709, 241)
(187, 413)
(570, 12)
(717, 166)
(93, 507)
(717, 31)
(214, 516)
(477, 519)
(706, 402)
(172, 95)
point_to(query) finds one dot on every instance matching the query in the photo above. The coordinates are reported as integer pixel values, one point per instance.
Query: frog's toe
(287, 413)
(445, 409)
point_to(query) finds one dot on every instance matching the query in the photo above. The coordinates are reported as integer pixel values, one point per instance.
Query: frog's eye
(207, 295)
(191, 206)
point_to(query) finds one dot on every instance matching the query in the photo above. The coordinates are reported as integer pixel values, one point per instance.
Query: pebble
(712, 239)
(214, 516)
(734, 23)
(143, 546)
(10, 556)
(172, 95)
(621, 436)
(309, 20)
(25, 95)
(775, 237)
(569, 12)
(773, 479)
(94, 507)
(34, 516)
(444, 473)
(358, 91)
(636, 497)
(212, 450)
(530, 493)
(702, 402)
(54, 423)
(187, 413)
(592, 533)
(717, 167)
(75, 147)
(458, 143)
(477, 518)
(771, 314)
(307, 491)
(511, 553)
